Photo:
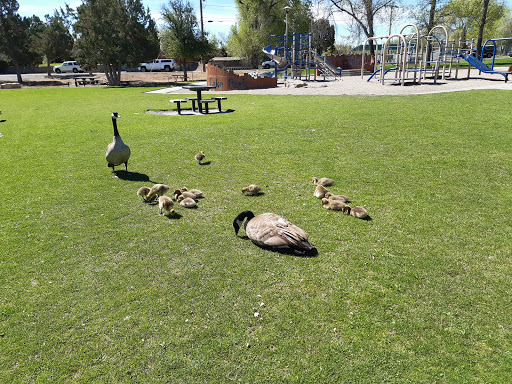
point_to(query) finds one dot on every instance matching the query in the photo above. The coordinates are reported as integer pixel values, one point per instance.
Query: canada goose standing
(199, 157)
(325, 181)
(252, 189)
(271, 230)
(320, 191)
(342, 198)
(335, 205)
(157, 190)
(358, 212)
(117, 151)
(165, 203)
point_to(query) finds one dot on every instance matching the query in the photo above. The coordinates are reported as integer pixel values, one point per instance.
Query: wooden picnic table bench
(86, 80)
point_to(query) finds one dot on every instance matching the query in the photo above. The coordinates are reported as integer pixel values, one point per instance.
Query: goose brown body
(157, 190)
(252, 189)
(325, 181)
(117, 151)
(165, 204)
(320, 191)
(358, 212)
(271, 230)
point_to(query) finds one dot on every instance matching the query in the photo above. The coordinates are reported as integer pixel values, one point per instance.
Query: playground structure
(293, 55)
(409, 56)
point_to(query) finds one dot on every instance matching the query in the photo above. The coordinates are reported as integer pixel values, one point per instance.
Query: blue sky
(218, 15)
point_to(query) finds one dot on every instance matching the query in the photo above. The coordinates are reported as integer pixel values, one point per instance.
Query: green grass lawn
(97, 287)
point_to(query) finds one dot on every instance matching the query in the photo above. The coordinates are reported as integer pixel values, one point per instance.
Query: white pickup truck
(166, 65)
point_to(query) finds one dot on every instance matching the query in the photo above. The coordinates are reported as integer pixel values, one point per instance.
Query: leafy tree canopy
(115, 33)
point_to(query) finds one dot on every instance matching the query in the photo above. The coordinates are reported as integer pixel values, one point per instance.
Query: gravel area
(354, 85)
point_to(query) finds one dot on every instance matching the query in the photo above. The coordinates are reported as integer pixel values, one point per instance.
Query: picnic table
(198, 89)
(92, 80)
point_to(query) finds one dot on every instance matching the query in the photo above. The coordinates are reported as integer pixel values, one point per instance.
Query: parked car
(268, 64)
(488, 51)
(68, 66)
(166, 65)
(510, 53)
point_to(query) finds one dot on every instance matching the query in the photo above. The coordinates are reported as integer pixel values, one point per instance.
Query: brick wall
(224, 80)
(350, 61)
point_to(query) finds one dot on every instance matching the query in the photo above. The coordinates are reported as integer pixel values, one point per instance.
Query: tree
(363, 13)
(17, 36)
(181, 37)
(55, 40)
(465, 18)
(259, 19)
(322, 35)
(114, 33)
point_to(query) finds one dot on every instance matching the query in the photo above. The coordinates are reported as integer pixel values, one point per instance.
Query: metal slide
(482, 67)
(281, 62)
(326, 66)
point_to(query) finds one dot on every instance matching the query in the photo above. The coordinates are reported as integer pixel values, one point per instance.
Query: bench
(205, 102)
(178, 104)
(178, 78)
(193, 99)
(219, 98)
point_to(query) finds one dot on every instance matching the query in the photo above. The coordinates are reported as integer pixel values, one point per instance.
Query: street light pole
(202, 31)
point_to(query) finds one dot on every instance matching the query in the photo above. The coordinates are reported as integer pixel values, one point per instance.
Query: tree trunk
(48, 67)
(481, 29)
(18, 71)
(184, 64)
(113, 74)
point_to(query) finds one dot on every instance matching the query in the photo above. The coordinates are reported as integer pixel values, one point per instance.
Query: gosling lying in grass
(251, 190)
(165, 204)
(335, 205)
(358, 212)
(196, 192)
(342, 198)
(178, 193)
(325, 181)
(187, 202)
(320, 191)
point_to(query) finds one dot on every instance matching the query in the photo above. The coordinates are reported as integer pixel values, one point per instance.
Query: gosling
(199, 157)
(320, 191)
(358, 212)
(342, 198)
(165, 204)
(143, 191)
(196, 192)
(157, 190)
(335, 205)
(187, 202)
(325, 181)
(251, 190)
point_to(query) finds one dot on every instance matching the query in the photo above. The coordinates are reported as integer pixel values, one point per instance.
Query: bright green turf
(97, 287)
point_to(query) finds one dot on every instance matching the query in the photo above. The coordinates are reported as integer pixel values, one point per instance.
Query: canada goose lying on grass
(199, 157)
(252, 189)
(274, 231)
(325, 181)
(196, 192)
(335, 205)
(342, 198)
(117, 151)
(165, 204)
(178, 192)
(187, 202)
(358, 212)
(157, 190)
(320, 191)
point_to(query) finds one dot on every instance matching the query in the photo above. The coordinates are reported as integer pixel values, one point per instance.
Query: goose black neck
(114, 123)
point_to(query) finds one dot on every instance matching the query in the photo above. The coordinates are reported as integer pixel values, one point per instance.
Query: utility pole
(202, 31)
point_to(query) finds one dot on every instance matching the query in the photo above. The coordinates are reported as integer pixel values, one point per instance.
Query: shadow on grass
(259, 194)
(176, 216)
(205, 163)
(285, 251)
(133, 176)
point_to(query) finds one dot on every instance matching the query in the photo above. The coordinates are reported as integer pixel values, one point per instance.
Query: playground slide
(281, 62)
(482, 66)
(334, 70)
